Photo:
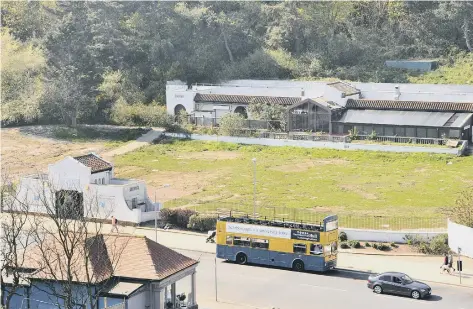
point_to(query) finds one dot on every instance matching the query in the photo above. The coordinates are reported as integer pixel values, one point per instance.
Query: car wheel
(241, 258)
(298, 265)
(415, 294)
(378, 289)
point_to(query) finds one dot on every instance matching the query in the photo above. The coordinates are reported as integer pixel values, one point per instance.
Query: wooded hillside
(68, 61)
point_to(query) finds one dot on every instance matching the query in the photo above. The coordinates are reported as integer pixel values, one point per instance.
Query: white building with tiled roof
(85, 182)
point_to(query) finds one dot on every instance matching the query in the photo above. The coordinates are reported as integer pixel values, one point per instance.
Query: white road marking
(323, 287)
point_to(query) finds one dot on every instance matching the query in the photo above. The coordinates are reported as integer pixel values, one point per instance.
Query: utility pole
(216, 279)
(254, 187)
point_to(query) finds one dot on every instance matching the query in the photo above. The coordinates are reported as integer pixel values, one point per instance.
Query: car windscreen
(406, 279)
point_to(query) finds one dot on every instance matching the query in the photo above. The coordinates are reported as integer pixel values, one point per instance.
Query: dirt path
(142, 141)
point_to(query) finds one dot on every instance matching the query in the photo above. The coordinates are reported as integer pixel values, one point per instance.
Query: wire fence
(346, 219)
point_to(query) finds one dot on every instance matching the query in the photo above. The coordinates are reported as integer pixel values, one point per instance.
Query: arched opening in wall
(179, 108)
(242, 111)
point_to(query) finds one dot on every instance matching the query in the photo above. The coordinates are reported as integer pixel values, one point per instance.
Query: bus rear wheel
(298, 265)
(241, 258)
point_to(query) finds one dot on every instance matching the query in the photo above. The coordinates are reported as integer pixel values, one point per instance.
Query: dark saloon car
(398, 283)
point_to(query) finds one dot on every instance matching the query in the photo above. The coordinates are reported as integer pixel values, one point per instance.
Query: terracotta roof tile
(245, 99)
(95, 163)
(410, 105)
(119, 255)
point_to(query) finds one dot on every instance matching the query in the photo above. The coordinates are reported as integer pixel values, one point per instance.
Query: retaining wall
(460, 236)
(387, 236)
(312, 144)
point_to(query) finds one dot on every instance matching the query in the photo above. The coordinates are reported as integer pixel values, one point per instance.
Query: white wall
(69, 174)
(137, 189)
(386, 236)
(107, 175)
(138, 300)
(460, 236)
(178, 94)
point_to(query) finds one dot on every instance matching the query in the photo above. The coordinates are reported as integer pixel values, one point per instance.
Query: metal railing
(346, 219)
(405, 140)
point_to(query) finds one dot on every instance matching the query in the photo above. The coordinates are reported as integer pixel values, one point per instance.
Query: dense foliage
(76, 60)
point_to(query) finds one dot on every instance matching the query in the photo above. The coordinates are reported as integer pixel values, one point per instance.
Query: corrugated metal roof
(245, 99)
(124, 288)
(460, 121)
(410, 105)
(344, 88)
(400, 118)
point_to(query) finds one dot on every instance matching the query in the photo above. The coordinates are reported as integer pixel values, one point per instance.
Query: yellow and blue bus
(293, 245)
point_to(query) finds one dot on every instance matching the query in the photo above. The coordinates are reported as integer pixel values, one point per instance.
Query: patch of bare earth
(301, 166)
(28, 154)
(209, 155)
(181, 184)
(358, 190)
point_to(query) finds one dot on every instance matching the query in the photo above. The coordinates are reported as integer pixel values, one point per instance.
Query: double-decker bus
(293, 245)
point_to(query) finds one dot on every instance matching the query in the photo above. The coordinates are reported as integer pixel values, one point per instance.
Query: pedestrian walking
(444, 265)
(114, 224)
(450, 262)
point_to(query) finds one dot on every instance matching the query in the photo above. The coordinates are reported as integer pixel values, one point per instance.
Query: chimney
(397, 93)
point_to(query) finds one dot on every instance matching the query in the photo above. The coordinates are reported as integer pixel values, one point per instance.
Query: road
(262, 287)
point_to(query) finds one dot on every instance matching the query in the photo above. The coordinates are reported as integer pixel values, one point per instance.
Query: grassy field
(359, 186)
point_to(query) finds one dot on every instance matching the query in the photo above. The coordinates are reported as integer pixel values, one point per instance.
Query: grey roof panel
(410, 105)
(400, 118)
(460, 121)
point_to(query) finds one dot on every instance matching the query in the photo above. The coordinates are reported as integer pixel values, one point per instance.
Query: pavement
(425, 268)
(142, 141)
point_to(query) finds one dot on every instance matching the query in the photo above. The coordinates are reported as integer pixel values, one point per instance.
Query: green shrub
(151, 115)
(383, 247)
(344, 245)
(354, 244)
(436, 246)
(231, 124)
(176, 216)
(367, 244)
(202, 222)
(342, 236)
(375, 246)
(393, 245)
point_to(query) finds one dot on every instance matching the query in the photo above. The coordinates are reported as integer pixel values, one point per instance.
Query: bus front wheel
(241, 258)
(298, 265)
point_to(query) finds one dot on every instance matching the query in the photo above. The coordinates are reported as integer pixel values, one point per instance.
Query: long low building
(406, 110)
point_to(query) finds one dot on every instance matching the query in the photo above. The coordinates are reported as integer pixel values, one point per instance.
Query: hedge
(202, 222)
(176, 216)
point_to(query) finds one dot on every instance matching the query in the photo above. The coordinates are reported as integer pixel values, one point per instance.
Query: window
(134, 188)
(328, 250)
(229, 240)
(421, 132)
(399, 131)
(432, 133)
(406, 279)
(388, 131)
(379, 130)
(368, 129)
(397, 280)
(300, 248)
(411, 132)
(259, 243)
(241, 241)
(454, 133)
(385, 278)
(103, 180)
(316, 249)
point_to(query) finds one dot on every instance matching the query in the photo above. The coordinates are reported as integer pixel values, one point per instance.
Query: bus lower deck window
(241, 241)
(316, 249)
(229, 240)
(259, 243)
(300, 248)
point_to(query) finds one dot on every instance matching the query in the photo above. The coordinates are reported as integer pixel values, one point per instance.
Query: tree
(274, 114)
(232, 124)
(15, 238)
(68, 246)
(462, 212)
(21, 86)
